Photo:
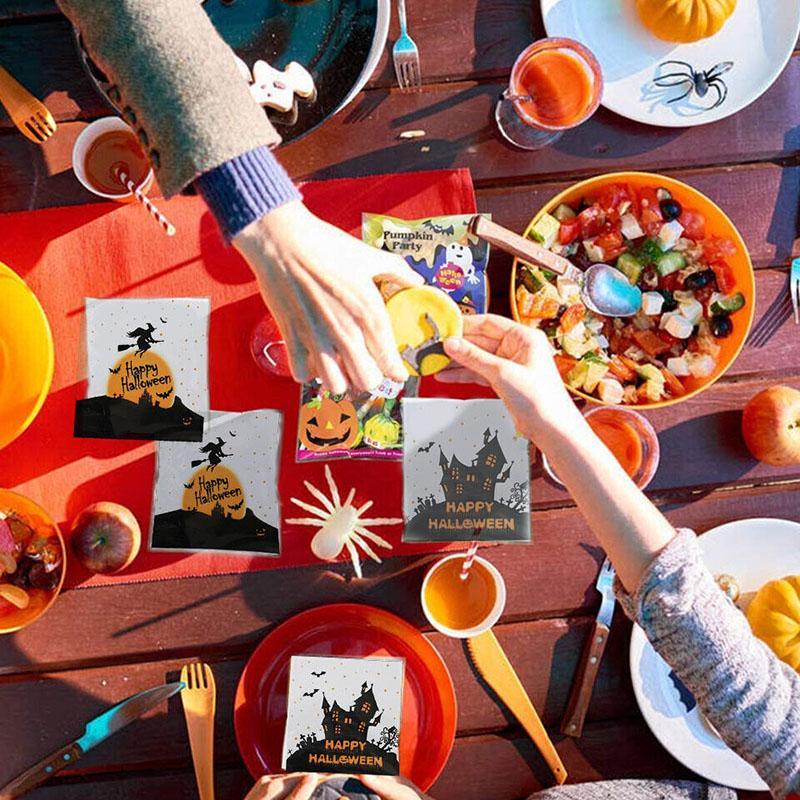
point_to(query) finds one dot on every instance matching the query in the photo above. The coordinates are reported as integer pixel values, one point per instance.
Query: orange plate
(717, 224)
(26, 356)
(348, 629)
(15, 619)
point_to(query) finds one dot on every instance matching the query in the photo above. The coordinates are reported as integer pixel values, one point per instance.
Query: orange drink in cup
(463, 607)
(104, 148)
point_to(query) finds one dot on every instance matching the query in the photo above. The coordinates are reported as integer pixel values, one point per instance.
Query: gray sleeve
(748, 695)
(177, 81)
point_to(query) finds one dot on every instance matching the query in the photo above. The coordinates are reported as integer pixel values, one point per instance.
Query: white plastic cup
(491, 618)
(81, 147)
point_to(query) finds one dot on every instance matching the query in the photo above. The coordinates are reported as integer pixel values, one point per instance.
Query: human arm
(751, 698)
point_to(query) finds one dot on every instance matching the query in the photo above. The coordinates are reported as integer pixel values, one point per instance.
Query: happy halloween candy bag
(441, 250)
(339, 426)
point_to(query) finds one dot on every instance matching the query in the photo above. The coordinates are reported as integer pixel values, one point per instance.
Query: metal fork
(30, 115)
(199, 706)
(406, 55)
(794, 289)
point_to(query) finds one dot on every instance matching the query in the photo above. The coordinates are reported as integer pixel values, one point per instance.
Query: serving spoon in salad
(604, 289)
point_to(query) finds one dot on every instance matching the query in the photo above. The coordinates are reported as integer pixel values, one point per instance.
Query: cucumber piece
(546, 230)
(530, 281)
(727, 305)
(649, 372)
(594, 374)
(631, 266)
(670, 262)
(563, 212)
(577, 375)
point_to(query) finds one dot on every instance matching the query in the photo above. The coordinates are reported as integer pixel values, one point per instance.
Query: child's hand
(390, 787)
(296, 786)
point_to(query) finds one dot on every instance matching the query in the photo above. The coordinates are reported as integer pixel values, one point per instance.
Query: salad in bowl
(683, 253)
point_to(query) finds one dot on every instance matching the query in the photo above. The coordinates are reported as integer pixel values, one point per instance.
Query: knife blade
(493, 664)
(95, 732)
(589, 666)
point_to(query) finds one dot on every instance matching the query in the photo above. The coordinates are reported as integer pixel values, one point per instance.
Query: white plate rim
(639, 642)
(630, 110)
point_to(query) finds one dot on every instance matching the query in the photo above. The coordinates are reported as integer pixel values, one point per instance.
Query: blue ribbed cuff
(245, 188)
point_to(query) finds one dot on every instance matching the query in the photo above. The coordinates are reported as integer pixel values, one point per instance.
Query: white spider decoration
(341, 525)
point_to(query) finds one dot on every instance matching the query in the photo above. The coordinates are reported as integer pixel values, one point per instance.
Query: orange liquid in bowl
(110, 151)
(460, 604)
(621, 438)
(560, 86)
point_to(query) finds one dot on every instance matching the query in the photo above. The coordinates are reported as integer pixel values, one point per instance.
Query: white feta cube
(700, 365)
(669, 234)
(594, 252)
(610, 391)
(629, 227)
(577, 333)
(679, 367)
(692, 310)
(677, 325)
(652, 302)
(569, 290)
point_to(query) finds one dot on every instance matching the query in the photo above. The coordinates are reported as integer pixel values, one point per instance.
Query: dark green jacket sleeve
(177, 80)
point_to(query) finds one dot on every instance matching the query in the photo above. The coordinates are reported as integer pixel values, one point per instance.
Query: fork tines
(409, 76)
(794, 289)
(40, 126)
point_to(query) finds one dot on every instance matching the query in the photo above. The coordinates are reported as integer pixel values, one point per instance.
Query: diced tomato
(613, 197)
(651, 342)
(611, 243)
(725, 279)
(694, 224)
(676, 388)
(718, 248)
(648, 199)
(704, 295)
(564, 364)
(621, 370)
(667, 337)
(641, 394)
(572, 316)
(650, 217)
(669, 282)
(569, 230)
(591, 220)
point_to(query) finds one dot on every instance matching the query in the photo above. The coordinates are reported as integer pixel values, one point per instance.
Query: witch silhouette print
(474, 484)
(144, 381)
(360, 735)
(220, 497)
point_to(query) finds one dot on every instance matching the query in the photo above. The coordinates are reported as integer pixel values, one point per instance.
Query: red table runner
(111, 250)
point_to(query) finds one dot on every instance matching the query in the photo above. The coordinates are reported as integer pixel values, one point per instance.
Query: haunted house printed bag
(343, 715)
(148, 370)
(221, 495)
(466, 472)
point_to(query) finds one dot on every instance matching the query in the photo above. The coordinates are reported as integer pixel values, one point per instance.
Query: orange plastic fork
(27, 113)
(199, 705)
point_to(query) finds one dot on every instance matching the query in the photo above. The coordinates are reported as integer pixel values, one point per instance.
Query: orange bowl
(717, 224)
(26, 356)
(12, 618)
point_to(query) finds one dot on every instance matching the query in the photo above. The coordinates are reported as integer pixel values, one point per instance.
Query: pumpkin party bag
(339, 426)
(441, 249)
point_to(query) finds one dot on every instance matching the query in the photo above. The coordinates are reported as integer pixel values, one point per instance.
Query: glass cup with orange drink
(629, 436)
(556, 84)
(463, 605)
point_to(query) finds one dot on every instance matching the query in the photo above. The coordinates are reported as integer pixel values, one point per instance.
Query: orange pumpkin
(328, 424)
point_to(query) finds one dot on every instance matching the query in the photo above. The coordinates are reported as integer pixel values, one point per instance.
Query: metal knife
(585, 677)
(98, 730)
(496, 669)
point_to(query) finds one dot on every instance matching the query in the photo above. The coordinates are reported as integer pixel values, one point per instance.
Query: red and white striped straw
(467, 565)
(137, 192)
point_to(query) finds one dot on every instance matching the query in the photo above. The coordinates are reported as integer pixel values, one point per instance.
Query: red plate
(348, 629)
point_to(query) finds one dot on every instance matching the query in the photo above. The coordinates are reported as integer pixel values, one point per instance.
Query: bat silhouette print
(114, 371)
(319, 674)
(165, 395)
(232, 434)
(163, 320)
(310, 694)
(426, 448)
(237, 506)
(144, 340)
(188, 485)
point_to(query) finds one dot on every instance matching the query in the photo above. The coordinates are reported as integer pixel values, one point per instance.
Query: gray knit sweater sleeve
(748, 695)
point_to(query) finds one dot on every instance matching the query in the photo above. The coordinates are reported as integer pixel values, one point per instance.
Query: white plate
(758, 37)
(754, 551)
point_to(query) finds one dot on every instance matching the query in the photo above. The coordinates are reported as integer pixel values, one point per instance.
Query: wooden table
(99, 645)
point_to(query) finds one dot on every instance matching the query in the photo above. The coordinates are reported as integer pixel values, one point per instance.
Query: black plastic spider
(699, 81)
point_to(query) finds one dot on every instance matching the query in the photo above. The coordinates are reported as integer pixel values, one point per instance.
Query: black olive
(721, 325)
(670, 209)
(699, 280)
(670, 303)
(649, 279)
(581, 259)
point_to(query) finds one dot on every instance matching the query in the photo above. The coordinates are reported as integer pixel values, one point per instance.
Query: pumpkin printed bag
(338, 426)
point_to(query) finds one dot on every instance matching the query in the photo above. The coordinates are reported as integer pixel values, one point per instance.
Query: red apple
(106, 537)
(771, 425)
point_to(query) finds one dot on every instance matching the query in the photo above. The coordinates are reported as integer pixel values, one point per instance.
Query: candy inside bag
(441, 250)
(338, 426)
